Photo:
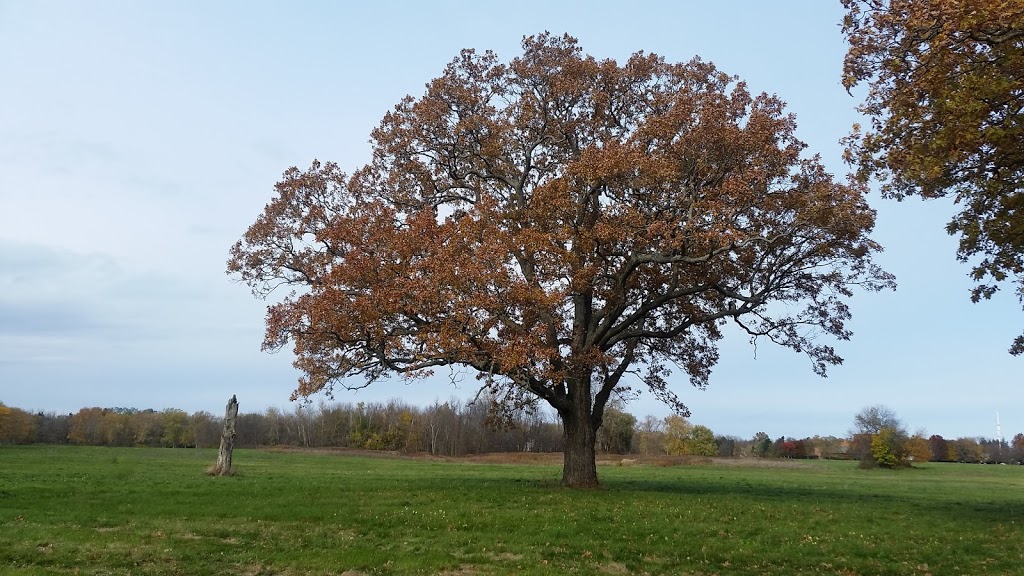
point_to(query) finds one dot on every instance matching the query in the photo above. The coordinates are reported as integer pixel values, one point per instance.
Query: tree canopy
(565, 227)
(872, 419)
(879, 438)
(946, 100)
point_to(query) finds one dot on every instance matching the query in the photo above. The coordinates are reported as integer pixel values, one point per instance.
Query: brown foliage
(555, 222)
(946, 98)
(918, 449)
(16, 425)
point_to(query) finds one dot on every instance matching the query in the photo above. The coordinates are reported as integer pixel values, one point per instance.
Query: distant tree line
(457, 428)
(880, 439)
(446, 429)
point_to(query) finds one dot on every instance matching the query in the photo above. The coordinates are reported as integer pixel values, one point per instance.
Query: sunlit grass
(68, 510)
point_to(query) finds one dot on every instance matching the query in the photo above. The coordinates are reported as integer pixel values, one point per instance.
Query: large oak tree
(946, 101)
(563, 227)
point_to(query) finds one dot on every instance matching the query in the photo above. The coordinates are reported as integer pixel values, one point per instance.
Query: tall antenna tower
(999, 431)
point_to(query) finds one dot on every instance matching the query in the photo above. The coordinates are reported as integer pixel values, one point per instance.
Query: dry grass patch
(613, 568)
(552, 458)
(464, 570)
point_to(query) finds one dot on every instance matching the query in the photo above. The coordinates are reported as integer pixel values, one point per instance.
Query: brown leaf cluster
(946, 100)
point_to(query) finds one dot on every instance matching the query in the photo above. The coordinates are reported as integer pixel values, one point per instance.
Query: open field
(89, 510)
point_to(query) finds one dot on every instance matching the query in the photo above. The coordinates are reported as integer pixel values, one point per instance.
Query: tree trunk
(227, 440)
(579, 468)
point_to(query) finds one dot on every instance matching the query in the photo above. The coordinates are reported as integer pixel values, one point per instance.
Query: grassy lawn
(85, 510)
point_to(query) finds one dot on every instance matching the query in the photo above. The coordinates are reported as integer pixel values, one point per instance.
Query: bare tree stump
(227, 440)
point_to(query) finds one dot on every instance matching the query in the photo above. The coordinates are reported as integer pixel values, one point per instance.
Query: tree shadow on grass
(963, 507)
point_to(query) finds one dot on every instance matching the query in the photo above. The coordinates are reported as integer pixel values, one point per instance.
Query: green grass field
(86, 510)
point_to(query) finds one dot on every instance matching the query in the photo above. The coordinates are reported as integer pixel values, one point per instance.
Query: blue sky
(138, 140)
